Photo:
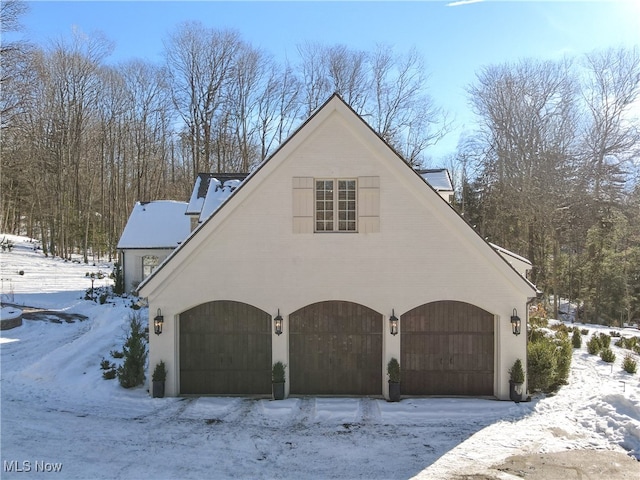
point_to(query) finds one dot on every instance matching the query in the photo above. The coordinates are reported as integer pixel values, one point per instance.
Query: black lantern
(157, 322)
(277, 323)
(393, 323)
(515, 322)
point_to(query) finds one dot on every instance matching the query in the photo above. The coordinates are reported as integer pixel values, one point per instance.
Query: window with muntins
(336, 205)
(149, 264)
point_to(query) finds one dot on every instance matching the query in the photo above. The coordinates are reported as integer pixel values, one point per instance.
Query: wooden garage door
(225, 348)
(335, 349)
(447, 349)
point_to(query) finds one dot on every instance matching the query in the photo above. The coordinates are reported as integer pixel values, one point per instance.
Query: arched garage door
(447, 349)
(225, 348)
(335, 349)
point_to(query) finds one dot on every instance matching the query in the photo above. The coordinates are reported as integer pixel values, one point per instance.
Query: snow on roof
(217, 193)
(159, 224)
(510, 253)
(438, 178)
(201, 188)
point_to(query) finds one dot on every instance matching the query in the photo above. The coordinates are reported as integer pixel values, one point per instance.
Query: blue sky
(455, 40)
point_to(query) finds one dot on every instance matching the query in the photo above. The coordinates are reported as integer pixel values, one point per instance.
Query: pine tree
(131, 372)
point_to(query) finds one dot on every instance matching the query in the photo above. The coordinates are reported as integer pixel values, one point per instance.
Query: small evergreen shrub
(614, 333)
(393, 371)
(159, 373)
(576, 339)
(131, 372)
(516, 373)
(564, 352)
(607, 355)
(629, 365)
(109, 374)
(593, 345)
(106, 364)
(584, 332)
(116, 354)
(605, 340)
(277, 372)
(541, 365)
(118, 277)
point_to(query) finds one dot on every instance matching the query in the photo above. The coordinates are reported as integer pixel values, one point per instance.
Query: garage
(447, 348)
(225, 348)
(335, 349)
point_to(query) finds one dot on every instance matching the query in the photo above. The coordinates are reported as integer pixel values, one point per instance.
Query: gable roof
(335, 102)
(159, 224)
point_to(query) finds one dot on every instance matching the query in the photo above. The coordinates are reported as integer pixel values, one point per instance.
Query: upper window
(149, 264)
(336, 205)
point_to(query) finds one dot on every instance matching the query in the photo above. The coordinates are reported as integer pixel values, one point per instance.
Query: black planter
(278, 391)
(158, 389)
(516, 391)
(394, 391)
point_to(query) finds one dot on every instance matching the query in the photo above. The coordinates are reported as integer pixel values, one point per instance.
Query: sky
(455, 38)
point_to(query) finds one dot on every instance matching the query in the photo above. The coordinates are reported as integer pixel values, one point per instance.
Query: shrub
(516, 373)
(106, 364)
(118, 276)
(593, 345)
(131, 372)
(393, 371)
(605, 340)
(109, 374)
(584, 332)
(576, 339)
(564, 351)
(614, 333)
(629, 365)
(277, 373)
(159, 373)
(541, 365)
(116, 354)
(607, 355)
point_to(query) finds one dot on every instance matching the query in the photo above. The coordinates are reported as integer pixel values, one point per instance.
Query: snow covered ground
(59, 414)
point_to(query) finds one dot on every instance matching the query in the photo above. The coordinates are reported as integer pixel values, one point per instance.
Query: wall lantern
(277, 323)
(515, 322)
(393, 323)
(157, 322)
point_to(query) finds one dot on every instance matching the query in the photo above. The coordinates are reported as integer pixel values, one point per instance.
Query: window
(335, 205)
(149, 264)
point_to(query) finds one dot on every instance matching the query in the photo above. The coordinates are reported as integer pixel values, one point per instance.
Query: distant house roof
(438, 178)
(201, 189)
(159, 224)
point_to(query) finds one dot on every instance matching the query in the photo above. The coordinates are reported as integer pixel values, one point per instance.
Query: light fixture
(277, 323)
(393, 323)
(515, 322)
(157, 322)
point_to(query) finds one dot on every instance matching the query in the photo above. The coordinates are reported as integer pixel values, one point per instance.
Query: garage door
(447, 349)
(225, 348)
(335, 349)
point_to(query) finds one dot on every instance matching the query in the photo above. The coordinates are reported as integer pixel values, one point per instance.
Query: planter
(394, 391)
(157, 389)
(516, 391)
(278, 390)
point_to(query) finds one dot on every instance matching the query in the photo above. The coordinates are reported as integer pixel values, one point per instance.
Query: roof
(201, 187)
(159, 224)
(438, 178)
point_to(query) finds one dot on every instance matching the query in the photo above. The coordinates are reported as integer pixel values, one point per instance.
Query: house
(334, 256)
(440, 181)
(152, 232)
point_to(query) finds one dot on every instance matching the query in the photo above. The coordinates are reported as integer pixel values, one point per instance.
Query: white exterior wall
(423, 252)
(132, 270)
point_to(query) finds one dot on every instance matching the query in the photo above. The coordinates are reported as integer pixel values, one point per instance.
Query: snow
(217, 193)
(57, 409)
(159, 224)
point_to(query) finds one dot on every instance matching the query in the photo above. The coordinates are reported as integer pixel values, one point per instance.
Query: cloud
(463, 2)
